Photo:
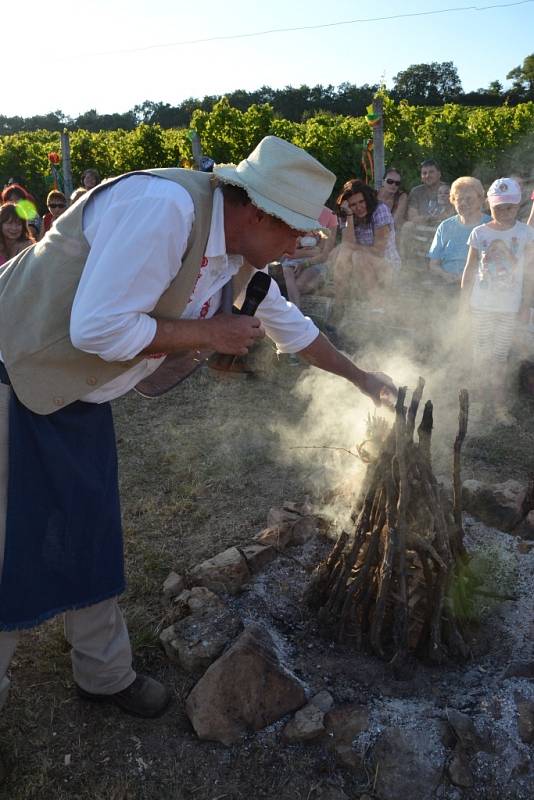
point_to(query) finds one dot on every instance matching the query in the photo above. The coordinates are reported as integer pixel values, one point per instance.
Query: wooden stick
(401, 610)
(424, 431)
(414, 406)
(456, 471)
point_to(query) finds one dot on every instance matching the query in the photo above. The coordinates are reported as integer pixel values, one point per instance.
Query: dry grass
(199, 470)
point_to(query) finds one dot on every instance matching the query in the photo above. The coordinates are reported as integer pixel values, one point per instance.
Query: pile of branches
(393, 582)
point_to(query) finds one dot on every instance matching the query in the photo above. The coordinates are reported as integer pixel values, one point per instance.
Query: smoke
(413, 330)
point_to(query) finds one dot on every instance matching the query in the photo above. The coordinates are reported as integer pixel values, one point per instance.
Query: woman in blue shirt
(449, 248)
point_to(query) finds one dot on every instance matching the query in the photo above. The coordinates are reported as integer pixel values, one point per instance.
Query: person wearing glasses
(56, 203)
(393, 195)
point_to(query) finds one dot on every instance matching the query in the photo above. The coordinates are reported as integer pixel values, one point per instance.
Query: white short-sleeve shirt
(137, 230)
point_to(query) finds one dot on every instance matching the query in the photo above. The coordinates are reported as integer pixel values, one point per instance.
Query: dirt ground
(200, 469)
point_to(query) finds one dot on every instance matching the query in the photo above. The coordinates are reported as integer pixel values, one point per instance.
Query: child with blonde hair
(498, 282)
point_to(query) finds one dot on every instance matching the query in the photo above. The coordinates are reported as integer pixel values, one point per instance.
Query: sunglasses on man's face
(393, 182)
(56, 205)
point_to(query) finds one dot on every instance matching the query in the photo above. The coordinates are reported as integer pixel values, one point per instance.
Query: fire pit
(394, 581)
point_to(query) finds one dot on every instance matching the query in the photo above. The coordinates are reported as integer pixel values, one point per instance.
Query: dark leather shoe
(145, 697)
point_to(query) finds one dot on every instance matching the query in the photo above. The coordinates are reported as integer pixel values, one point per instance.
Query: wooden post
(67, 171)
(196, 148)
(378, 142)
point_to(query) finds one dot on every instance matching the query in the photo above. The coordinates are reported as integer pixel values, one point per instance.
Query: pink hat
(504, 190)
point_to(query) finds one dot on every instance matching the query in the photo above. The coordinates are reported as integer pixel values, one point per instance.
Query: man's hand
(223, 333)
(380, 388)
(233, 333)
(376, 385)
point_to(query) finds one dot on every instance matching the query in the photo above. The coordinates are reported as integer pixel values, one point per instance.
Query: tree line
(484, 142)
(420, 84)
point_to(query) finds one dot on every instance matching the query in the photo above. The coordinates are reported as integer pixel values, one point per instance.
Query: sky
(111, 55)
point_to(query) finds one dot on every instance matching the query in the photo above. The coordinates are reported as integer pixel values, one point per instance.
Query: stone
(303, 530)
(196, 598)
(497, 505)
(525, 720)
(173, 585)
(459, 770)
(408, 763)
(287, 514)
(257, 556)
(225, 572)
(199, 637)
(279, 537)
(323, 700)
(246, 689)
(345, 723)
(465, 731)
(306, 725)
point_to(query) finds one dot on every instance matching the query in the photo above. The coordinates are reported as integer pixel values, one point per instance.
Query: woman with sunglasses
(56, 203)
(393, 195)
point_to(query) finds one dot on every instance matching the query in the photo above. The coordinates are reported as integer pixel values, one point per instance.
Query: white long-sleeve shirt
(137, 230)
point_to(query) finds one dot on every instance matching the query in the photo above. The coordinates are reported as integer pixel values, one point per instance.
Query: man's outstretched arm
(322, 353)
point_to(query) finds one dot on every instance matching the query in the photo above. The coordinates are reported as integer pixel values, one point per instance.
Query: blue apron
(63, 526)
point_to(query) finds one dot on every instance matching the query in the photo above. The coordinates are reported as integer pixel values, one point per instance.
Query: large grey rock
(408, 763)
(247, 689)
(497, 504)
(257, 556)
(199, 637)
(225, 572)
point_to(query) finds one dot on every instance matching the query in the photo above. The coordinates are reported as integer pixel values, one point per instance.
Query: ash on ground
(453, 731)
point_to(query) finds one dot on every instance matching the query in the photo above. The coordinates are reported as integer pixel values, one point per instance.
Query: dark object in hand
(256, 292)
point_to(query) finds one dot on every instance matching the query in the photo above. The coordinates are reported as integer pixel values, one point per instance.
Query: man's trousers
(101, 653)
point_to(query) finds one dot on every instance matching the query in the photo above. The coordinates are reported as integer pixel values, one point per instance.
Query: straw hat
(284, 181)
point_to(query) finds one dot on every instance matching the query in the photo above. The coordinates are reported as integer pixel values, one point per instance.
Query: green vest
(37, 289)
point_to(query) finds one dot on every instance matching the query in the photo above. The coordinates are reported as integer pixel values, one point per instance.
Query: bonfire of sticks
(388, 584)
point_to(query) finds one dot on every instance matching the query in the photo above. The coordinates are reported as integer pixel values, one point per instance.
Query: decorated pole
(196, 147)
(67, 171)
(378, 141)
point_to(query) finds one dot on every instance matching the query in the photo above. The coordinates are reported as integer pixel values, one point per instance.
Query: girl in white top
(497, 279)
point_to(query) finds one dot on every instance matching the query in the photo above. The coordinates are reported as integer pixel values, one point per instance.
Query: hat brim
(503, 199)
(227, 173)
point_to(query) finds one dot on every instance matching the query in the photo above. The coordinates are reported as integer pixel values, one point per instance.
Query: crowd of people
(475, 247)
(20, 222)
(478, 249)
